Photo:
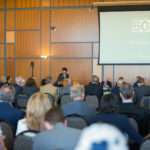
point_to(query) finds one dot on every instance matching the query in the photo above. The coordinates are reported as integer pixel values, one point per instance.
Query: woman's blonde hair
(37, 107)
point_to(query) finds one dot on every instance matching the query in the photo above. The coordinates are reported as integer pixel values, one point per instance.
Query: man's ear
(48, 126)
(65, 122)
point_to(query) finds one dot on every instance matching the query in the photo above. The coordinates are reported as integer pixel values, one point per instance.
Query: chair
(51, 99)
(8, 132)
(65, 99)
(76, 121)
(145, 145)
(22, 101)
(145, 103)
(92, 100)
(24, 142)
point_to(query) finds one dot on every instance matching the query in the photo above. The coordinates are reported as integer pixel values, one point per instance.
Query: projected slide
(124, 37)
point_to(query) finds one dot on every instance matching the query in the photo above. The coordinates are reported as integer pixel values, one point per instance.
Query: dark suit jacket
(116, 91)
(94, 89)
(29, 90)
(8, 112)
(131, 110)
(18, 90)
(108, 83)
(61, 75)
(143, 90)
(79, 107)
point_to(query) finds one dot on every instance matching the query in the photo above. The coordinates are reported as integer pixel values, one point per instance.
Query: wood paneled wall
(76, 27)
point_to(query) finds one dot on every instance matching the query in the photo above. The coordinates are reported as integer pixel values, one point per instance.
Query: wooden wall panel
(28, 19)
(97, 69)
(10, 36)
(10, 51)
(96, 50)
(77, 68)
(2, 26)
(108, 72)
(75, 25)
(2, 67)
(46, 32)
(10, 20)
(1, 50)
(45, 3)
(10, 68)
(2, 4)
(27, 44)
(71, 50)
(27, 3)
(23, 69)
(45, 68)
(10, 3)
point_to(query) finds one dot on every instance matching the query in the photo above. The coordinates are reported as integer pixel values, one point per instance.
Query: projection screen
(124, 35)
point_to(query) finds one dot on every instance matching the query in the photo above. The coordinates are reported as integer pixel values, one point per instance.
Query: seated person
(141, 90)
(116, 89)
(43, 82)
(2, 81)
(106, 84)
(131, 110)
(49, 88)
(37, 107)
(64, 74)
(101, 137)
(78, 105)
(109, 107)
(58, 135)
(7, 111)
(94, 88)
(8, 80)
(135, 85)
(58, 82)
(65, 89)
(30, 87)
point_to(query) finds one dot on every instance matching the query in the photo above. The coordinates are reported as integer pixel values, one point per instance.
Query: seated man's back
(58, 135)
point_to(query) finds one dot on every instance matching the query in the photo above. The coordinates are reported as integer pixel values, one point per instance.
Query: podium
(74, 81)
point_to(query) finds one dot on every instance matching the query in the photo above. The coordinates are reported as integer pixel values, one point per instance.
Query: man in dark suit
(79, 106)
(7, 111)
(94, 88)
(129, 109)
(64, 74)
(106, 84)
(141, 90)
(58, 135)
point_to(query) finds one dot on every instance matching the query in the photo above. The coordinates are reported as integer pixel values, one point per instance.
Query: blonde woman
(37, 107)
(116, 89)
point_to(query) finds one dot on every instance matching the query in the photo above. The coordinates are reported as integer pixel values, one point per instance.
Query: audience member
(65, 89)
(141, 90)
(129, 109)
(30, 87)
(37, 107)
(135, 85)
(49, 88)
(8, 80)
(102, 137)
(2, 81)
(23, 82)
(7, 111)
(57, 136)
(106, 84)
(18, 87)
(109, 107)
(64, 74)
(94, 88)
(78, 105)
(58, 82)
(116, 89)
(43, 82)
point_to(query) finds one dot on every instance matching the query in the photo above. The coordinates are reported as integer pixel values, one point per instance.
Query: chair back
(23, 141)
(92, 100)
(65, 99)
(22, 101)
(145, 145)
(8, 133)
(76, 121)
(145, 103)
(51, 99)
